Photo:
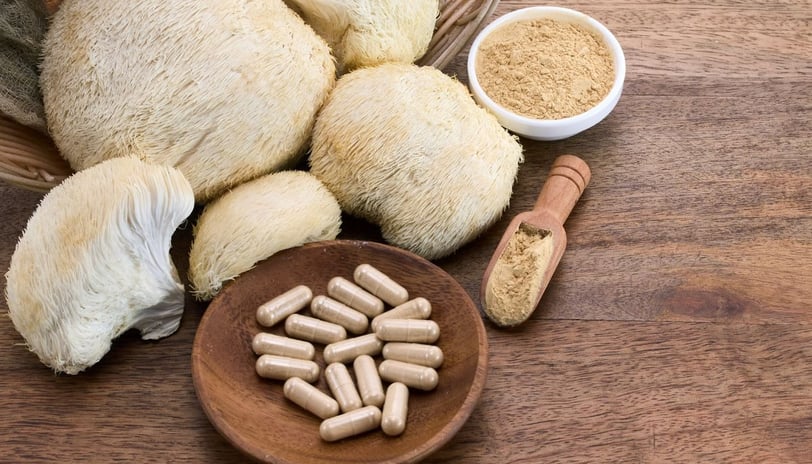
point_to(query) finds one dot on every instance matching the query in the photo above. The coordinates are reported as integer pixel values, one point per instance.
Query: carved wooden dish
(252, 413)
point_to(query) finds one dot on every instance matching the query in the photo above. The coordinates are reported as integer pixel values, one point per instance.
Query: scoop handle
(565, 183)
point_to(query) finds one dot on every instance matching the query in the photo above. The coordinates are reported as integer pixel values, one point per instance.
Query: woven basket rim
(459, 22)
(30, 160)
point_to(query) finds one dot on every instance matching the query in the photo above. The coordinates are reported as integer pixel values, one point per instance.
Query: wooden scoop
(532, 246)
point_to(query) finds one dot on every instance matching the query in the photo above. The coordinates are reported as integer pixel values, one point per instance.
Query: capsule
(340, 383)
(408, 330)
(265, 343)
(330, 310)
(380, 285)
(414, 353)
(395, 409)
(354, 296)
(369, 381)
(351, 423)
(418, 308)
(414, 376)
(310, 398)
(349, 349)
(282, 368)
(313, 330)
(284, 305)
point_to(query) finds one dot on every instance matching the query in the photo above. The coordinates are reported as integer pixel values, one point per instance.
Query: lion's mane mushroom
(371, 32)
(224, 90)
(407, 148)
(94, 262)
(256, 220)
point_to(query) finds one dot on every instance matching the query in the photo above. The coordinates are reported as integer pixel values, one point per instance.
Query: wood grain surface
(677, 328)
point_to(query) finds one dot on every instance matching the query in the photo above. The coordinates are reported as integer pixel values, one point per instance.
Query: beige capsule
(395, 409)
(268, 314)
(354, 296)
(283, 368)
(310, 398)
(343, 389)
(380, 285)
(349, 349)
(415, 353)
(265, 343)
(313, 330)
(349, 424)
(330, 310)
(417, 308)
(369, 381)
(413, 375)
(408, 330)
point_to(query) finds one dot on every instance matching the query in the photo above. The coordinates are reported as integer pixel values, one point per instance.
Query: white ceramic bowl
(549, 129)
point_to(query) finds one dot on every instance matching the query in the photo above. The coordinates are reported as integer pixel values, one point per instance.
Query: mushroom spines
(224, 90)
(94, 261)
(407, 148)
(363, 33)
(256, 220)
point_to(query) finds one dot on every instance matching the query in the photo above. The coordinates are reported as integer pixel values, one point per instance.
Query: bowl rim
(440, 439)
(535, 12)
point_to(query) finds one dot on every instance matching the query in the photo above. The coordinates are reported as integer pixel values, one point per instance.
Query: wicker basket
(29, 159)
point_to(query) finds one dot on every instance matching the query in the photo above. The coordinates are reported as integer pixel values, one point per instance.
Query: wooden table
(677, 328)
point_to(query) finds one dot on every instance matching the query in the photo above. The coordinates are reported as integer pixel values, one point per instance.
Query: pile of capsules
(404, 335)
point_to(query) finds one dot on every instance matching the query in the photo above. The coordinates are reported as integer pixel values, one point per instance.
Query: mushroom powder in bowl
(547, 73)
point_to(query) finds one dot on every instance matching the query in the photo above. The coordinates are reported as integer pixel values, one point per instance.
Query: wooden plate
(252, 413)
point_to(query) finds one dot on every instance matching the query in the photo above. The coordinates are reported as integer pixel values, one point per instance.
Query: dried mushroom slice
(94, 262)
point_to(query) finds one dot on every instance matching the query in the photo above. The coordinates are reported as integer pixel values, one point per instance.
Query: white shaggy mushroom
(407, 148)
(370, 32)
(224, 90)
(256, 220)
(94, 262)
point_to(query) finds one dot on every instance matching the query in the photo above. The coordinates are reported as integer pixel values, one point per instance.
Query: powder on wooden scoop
(545, 69)
(515, 282)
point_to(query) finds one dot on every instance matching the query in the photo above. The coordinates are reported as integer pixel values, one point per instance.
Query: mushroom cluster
(159, 104)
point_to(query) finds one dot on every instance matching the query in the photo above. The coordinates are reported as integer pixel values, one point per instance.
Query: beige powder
(515, 282)
(545, 69)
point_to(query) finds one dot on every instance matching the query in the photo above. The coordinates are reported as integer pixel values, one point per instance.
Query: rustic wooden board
(611, 391)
